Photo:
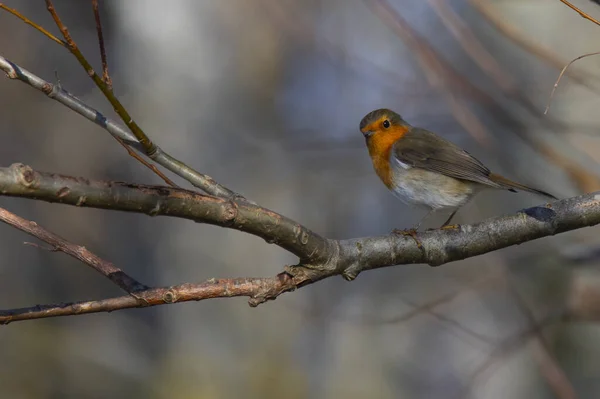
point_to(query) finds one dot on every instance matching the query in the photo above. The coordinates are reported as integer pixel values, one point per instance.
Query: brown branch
(141, 160)
(146, 143)
(33, 24)
(107, 269)
(562, 72)
(258, 289)
(151, 150)
(105, 76)
(582, 13)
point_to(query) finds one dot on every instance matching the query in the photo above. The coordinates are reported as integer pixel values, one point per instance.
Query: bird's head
(381, 122)
(381, 128)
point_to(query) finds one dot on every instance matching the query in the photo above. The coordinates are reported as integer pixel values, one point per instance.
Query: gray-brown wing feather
(423, 149)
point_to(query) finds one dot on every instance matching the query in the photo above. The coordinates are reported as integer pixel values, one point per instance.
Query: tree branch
(107, 269)
(105, 75)
(582, 13)
(258, 289)
(319, 257)
(55, 92)
(315, 252)
(22, 181)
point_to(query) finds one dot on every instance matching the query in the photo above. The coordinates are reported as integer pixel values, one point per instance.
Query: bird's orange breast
(380, 147)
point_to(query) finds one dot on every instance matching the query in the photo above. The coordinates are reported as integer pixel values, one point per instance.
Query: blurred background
(266, 97)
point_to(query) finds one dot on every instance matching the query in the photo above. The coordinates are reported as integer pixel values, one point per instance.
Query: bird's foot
(410, 233)
(450, 227)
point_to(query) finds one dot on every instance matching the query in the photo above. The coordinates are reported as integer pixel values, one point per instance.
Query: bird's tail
(511, 185)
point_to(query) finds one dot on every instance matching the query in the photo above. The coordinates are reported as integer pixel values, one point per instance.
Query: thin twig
(486, 9)
(55, 92)
(256, 288)
(105, 86)
(147, 164)
(105, 76)
(33, 24)
(562, 72)
(582, 13)
(107, 269)
(146, 143)
(149, 147)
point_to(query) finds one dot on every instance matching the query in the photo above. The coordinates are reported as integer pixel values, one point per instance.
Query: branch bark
(319, 257)
(19, 180)
(107, 269)
(55, 92)
(434, 247)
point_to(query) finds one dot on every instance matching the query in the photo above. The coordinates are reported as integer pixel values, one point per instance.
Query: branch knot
(25, 175)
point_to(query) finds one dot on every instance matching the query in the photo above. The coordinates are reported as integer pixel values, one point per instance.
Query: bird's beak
(367, 133)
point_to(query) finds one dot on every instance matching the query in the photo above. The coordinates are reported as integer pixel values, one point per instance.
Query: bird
(422, 168)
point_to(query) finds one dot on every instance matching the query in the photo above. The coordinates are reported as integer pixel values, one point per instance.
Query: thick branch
(22, 181)
(319, 258)
(435, 247)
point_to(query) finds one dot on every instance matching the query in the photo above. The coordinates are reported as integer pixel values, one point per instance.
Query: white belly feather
(421, 187)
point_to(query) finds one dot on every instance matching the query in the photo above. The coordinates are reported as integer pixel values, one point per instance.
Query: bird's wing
(423, 149)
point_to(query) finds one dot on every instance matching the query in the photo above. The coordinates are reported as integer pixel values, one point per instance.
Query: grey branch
(55, 92)
(21, 181)
(319, 257)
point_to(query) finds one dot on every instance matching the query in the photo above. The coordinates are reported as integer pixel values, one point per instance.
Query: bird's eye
(386, 124)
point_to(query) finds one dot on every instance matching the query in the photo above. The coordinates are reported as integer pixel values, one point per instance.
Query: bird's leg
(447, 224)
(410, 233)
(416, 226)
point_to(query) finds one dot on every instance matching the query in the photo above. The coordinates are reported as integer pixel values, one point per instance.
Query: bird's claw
(450, 227)
(410, 233)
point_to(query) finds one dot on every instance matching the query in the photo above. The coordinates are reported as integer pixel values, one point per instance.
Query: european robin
(422, 168)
